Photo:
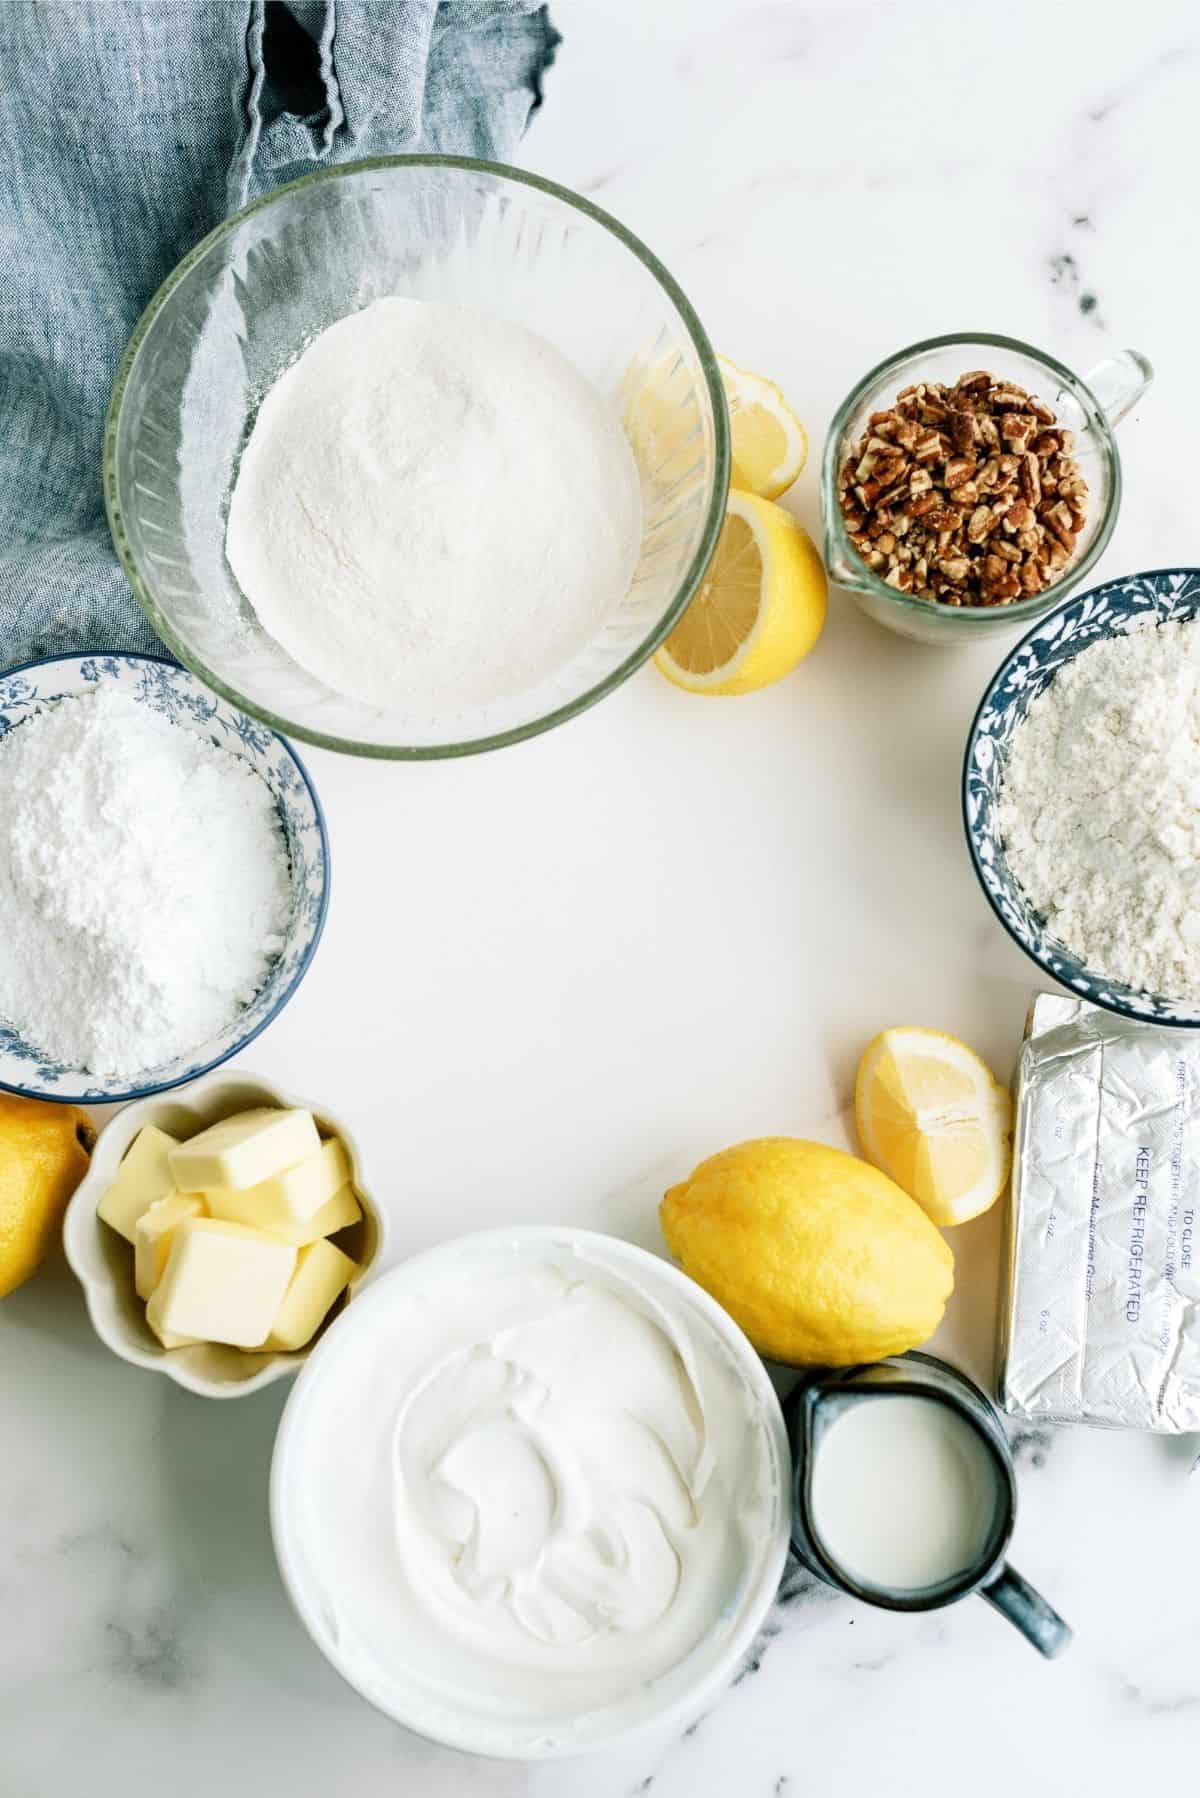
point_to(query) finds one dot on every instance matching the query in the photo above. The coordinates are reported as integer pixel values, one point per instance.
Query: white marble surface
(555, 977)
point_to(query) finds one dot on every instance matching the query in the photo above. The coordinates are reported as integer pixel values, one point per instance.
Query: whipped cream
(532, 1491)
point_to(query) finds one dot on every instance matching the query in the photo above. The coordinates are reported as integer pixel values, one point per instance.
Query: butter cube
(244, 1150)
(143, 1176)
(342, 1209)
(168, 1340)
(222, 1283)
(322, 1272)
(152, 1237)
(293, 1197)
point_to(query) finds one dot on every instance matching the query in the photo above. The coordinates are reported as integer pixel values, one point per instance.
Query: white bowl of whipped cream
(530, 1493)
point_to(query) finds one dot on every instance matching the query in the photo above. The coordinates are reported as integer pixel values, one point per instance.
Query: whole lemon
(44, 1152)
(820, 1258)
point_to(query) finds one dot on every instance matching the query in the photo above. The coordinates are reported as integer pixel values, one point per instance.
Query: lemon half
(759, 609)
(770, 445)
(931, 1115)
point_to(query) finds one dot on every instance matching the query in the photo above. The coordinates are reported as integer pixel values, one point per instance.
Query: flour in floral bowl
(1099, 807)
(162, 877)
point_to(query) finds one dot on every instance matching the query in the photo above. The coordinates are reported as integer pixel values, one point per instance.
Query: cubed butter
(322, 1272)
(223, 1282)
(342, 1209)
(292, 1197)
(243, 1151)
(143, 1176)
(168, 1340)
(152, 1236)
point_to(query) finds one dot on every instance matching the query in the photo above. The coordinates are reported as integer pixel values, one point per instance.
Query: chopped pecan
(966, 494)
(942, 518)
(1007, 399)
(906, 433)
(1017, 429)
(962, 429)
(955, 568)
(976, 381)
(979, 524)
(1060, 521)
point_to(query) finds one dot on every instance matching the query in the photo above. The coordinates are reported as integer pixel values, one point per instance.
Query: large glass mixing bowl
(239, 308)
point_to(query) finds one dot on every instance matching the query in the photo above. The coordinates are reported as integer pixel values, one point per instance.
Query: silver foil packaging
(1102, 1322)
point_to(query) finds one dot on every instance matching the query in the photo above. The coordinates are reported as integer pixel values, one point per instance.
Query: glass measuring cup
(812, 1410)
(1091, 408)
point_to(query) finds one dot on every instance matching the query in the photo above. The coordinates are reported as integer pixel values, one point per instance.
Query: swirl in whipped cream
(546, 1489)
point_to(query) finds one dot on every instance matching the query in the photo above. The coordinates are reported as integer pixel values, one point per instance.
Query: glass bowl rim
(147, 1091)
(1117, 1007)
(969, 617)
(692, 577)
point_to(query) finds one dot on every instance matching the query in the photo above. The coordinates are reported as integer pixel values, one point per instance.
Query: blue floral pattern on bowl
(175, 694)
(1165, 595)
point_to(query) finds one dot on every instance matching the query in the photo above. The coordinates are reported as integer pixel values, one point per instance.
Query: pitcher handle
(1016, 1599)
(1119, 382)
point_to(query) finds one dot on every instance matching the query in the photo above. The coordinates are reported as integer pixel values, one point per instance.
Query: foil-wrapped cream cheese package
(1102, 1323)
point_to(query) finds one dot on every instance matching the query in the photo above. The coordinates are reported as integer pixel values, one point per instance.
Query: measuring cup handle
(1016, 1599)
(1119, 382)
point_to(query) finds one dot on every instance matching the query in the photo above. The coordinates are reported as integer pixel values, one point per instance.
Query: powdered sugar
(144, 885)
(1100, 807)
(434, 508)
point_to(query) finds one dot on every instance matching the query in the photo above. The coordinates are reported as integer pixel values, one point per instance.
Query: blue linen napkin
(130, 129)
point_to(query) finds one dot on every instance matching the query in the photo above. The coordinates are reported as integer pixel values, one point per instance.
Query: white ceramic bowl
(103, 1261)
(303, 1449)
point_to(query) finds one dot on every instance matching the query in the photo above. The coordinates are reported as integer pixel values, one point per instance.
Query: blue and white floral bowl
(179, 696)
(1167, 595)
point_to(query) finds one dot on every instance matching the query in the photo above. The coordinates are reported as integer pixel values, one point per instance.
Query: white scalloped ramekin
(103, 1261)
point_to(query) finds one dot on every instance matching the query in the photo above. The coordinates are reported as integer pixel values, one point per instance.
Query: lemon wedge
(931, 1116)
(770, 445)
(759, 609)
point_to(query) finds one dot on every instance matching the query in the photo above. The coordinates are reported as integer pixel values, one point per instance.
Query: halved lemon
(770, 445)
(760, 607)
(931, 1115)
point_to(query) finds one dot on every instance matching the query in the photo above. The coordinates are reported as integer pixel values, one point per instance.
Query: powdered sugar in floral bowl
(155, 693)
(1163, 596)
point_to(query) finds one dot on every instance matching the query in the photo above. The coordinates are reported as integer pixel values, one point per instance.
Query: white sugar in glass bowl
(530, 1495)
(242, 305)
(103, 1261)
